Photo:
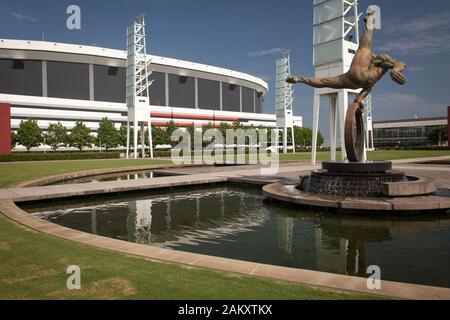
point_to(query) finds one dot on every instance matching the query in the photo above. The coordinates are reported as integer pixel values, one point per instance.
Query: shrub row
(31, 156)
(423, 148)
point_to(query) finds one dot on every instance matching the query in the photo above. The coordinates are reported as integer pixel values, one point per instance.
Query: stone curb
(287, 193)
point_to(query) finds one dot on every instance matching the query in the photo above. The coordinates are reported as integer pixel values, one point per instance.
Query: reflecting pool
(240, 223)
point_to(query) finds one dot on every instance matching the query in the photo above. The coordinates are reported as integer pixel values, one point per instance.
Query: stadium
(53, 82)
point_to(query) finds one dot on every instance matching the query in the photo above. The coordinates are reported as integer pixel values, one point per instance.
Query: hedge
(32, 156)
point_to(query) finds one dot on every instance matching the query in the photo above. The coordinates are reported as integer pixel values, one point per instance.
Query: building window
(231, 97)
(208, 94)
(181, 91)
(21, 77)
(157, 90)
(68, 80)
(248, 100)
(109, 84)
(258, 102)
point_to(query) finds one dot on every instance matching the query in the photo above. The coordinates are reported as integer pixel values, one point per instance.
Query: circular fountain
(352, 179)
(361, 187)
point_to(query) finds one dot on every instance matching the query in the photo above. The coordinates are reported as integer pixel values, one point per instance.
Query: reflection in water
(110, 177)
(238, 223)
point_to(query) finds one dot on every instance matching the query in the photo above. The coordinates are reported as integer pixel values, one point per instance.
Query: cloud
(394, 105)
(267, 52)
(422, 35)
(22, 17)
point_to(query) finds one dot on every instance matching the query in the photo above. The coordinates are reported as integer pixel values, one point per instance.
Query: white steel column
(316, 114)
(128, 140)
(333, 126)
(91, 82)
(142, 140)
(343, 106)
(150, 138)
(196, 92)
(166, 84)
(44, 79)
(240, 98)
(221, 95)
(135, 138)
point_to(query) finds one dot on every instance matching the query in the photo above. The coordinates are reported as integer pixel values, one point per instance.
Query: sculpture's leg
(329, 82)
(363, 95)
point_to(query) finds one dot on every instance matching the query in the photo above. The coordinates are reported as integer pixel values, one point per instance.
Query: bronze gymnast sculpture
(365, 71)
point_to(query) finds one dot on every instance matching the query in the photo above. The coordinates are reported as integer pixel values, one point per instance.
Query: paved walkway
(83, 189)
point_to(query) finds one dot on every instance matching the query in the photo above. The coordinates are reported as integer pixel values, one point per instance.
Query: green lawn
(33, 265)
(16, 172)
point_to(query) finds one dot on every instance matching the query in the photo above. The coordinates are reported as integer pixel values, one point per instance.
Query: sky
(249, 36)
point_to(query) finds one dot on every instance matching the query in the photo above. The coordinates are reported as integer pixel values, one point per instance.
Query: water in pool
(240, 223)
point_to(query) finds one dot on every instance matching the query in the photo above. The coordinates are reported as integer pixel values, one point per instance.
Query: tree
(13, 140)
(80, 136)
(170, 128)
(123, 135)
(29, 134)
(438, 135)
(303, 137)
(160, 136)
(57, 136)
(107, 135)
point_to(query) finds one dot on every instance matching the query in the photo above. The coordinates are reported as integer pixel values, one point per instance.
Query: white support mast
(336, 40)
(284, 101)
(137, 86)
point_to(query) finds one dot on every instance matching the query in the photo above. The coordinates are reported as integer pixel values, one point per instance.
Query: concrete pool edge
(94, 172)
(303, 277)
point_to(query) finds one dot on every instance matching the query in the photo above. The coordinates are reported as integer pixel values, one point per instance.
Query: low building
(409, 132)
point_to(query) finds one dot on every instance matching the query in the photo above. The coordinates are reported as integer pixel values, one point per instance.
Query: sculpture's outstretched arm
(387, 62)
(329, 82)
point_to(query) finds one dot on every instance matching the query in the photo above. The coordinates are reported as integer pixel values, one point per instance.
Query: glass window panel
(328, 52)
(109, 84)
(208, 94)
(68, 80)
(231, 97)
(328, 31)
(158, 89)
(328, 11)
(23, 77)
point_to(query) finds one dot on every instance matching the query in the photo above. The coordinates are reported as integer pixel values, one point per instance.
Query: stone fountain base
(367, 186)
(362, 179)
